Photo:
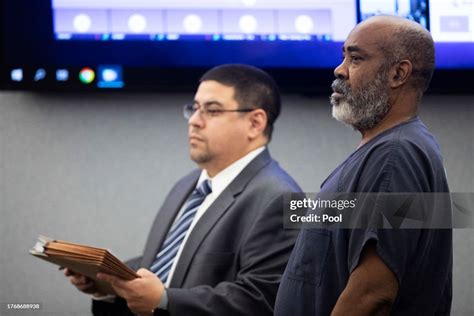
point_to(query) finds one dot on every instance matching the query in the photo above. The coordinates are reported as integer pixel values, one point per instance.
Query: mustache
(340, 86)
(194, 133)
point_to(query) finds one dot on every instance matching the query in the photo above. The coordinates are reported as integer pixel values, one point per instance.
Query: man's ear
(400, 73)
(258, 123)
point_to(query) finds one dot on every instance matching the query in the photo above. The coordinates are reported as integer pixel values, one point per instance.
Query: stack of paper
(83, 259)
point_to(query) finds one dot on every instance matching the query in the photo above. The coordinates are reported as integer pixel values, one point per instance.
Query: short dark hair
(254, 88)
(416, 45)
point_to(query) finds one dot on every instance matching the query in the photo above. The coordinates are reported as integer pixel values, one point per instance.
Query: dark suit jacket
(233, 260)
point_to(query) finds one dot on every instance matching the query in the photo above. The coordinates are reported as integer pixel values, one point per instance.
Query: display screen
(166, 45)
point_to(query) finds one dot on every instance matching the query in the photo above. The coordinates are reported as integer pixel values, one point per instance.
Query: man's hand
(82, 283)
(142, 294)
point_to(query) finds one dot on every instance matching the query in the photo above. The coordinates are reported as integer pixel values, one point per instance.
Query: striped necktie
(167, 254)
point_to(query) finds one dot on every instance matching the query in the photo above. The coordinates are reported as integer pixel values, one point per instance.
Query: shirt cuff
(163, 301)
(106, 298)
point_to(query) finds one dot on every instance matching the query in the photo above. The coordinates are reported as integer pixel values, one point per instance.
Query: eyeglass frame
(189, 110)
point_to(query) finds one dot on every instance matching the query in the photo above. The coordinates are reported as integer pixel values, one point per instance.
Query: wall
(95, 168)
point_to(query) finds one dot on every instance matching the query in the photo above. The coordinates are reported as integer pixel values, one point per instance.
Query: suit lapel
(198, 234)
(212, 215)
(166, 216)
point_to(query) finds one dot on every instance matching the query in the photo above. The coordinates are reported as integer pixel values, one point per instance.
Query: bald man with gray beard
(388, 64)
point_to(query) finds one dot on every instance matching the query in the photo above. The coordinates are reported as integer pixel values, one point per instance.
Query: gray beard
(364, 108)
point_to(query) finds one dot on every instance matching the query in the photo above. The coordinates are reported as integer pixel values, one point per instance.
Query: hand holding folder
(83, 259)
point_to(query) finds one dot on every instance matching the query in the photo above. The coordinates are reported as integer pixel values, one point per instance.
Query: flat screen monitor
(166, 45)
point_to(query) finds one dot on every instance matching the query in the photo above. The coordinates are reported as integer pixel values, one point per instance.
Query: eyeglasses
(190, 109)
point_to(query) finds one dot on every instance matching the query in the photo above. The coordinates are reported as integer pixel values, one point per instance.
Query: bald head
(403, 39)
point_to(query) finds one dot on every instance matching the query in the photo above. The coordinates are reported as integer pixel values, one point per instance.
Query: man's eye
(355, 58)
(213, 111)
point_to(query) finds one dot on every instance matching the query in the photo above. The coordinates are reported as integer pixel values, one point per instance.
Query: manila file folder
(83, 259)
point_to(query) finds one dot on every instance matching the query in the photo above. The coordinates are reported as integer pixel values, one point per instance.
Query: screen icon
(110, 76)
(86, 75)
(62, 75)
(40, 74)
(17, 74)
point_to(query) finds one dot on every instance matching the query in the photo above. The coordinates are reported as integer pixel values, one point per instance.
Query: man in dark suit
(217, 246)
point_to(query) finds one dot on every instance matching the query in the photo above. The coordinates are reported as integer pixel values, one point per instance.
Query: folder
(83, 259)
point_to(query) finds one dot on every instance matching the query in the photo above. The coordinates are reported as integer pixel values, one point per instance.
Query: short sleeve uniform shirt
(405, 158)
